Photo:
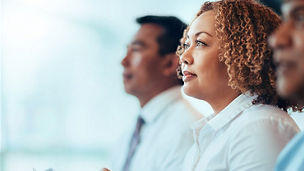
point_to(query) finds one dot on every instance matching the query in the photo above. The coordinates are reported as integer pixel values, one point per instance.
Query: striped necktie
(134, 142)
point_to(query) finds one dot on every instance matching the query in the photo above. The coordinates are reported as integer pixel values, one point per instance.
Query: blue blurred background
(62, 102)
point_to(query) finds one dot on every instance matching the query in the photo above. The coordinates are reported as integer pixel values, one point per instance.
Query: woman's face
(204, 76)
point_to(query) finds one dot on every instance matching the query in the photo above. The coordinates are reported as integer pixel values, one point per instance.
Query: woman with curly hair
(225, 60)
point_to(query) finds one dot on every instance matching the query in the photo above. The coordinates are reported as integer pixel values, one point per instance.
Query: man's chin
(292, 94)
(286, 93)
(129, 89)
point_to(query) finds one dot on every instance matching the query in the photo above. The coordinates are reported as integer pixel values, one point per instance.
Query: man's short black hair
(173, 31)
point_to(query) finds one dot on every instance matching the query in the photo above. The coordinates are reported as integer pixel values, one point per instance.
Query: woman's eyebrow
(203, 32)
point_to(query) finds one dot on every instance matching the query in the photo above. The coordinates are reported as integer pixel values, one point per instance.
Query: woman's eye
(200, 43)
(186, 45)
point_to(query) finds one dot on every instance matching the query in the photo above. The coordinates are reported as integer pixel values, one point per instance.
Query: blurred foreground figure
(288, 45)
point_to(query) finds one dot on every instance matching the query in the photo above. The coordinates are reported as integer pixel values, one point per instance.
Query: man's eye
(135, 49)
(299, 16)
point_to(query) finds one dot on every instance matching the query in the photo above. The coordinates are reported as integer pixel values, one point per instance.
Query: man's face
(288, 45)
(142, 69)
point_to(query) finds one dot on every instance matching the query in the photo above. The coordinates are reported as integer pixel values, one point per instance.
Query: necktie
(134, 142)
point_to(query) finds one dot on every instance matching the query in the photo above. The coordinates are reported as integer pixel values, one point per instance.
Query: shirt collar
(217, 121)
(157, 104)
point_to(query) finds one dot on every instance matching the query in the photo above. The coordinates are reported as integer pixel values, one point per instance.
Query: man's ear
(170, 64)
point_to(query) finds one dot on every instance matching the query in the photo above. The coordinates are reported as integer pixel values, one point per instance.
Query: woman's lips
(187, 76)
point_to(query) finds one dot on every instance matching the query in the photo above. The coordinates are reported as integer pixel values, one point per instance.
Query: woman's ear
(170, 64)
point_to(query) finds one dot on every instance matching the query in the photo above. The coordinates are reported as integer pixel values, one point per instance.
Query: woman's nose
(186, 57)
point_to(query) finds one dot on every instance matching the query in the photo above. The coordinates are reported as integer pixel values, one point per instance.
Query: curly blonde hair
(243, 26)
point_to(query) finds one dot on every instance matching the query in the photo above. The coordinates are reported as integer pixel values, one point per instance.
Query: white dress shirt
(241, 137)
(166, 135)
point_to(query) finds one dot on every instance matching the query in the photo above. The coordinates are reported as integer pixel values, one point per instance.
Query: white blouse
(241, 137)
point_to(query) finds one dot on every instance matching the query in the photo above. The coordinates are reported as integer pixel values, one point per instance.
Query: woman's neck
(223, 99)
